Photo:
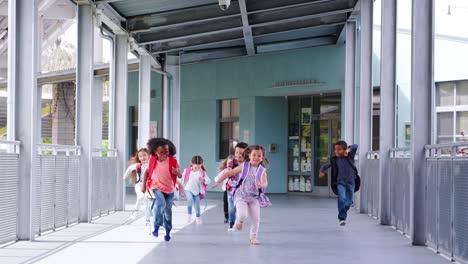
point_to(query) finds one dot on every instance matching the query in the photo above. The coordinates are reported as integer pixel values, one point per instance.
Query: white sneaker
(231, 229)
(199, 221)
(189, 219)
(133, 215)
(342, 223)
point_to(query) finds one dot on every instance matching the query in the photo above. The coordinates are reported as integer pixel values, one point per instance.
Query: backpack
(262, 198)
(186, 178)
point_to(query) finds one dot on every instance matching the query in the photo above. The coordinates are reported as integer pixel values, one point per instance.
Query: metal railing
(370, 184)
(9, 160)
(104, 181)
(400, 173)
(446, 199)
(57, 187)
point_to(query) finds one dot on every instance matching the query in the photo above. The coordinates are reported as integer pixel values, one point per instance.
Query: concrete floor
(297, 229)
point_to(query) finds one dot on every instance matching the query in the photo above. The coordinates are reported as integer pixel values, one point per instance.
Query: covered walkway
(297, 229)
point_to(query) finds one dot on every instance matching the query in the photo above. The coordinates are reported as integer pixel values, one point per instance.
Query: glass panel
(225, 108)
(462, 93)
(376, 43)
(322, 151)
(446, 94)
(462, 124)
(105, 112)
(403, 69)
(235, 108)
(293, 148)
(225, 136)
(235, 131)
(445, 126)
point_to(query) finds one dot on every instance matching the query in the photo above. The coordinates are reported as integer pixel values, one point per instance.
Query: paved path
(297, 229)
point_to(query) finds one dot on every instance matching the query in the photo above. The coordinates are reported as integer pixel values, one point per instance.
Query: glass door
(314, 125)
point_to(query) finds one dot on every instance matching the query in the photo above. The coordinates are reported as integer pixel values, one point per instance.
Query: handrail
(12, 146)
(447, 150)
(371, 155)
(53, 149)
(400, 153)
(101, 151)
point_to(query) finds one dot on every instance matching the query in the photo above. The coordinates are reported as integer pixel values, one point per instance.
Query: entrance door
(314, 125)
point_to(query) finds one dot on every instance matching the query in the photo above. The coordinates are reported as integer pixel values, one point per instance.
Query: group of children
(156, 174)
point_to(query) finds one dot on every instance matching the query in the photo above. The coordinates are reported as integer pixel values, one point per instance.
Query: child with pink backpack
(249, 194)
(195, 183)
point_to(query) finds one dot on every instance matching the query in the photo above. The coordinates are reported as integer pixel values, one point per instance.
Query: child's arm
(264, 182)
(145, 175)
(129, 170)
(227, 174)
(352, 150)
(325, 167)
(181, 187)
(206, 180)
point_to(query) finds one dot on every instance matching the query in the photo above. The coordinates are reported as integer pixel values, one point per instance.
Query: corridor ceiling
(199, 30)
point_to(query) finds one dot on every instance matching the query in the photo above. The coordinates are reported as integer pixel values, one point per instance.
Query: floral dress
(248, 191)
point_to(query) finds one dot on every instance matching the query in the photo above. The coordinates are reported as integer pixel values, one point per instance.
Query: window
(452, 111)
(228, 126)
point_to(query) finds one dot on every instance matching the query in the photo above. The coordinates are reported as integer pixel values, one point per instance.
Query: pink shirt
(161, 178)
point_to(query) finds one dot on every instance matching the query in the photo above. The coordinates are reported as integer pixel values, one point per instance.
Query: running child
(345, 180)
(163, 171)
(224, 166)
(249, 194)
(195, 184)
(139, 163)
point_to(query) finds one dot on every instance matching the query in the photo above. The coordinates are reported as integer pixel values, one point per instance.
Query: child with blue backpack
(195, 183)
(249, 194)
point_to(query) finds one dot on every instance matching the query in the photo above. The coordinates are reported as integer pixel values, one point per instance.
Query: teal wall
(263, 109)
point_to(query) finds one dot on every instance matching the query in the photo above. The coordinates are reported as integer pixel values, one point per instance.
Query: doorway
(314, 125)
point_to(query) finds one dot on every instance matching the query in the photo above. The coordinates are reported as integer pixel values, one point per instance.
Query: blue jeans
(232, 209)
(345, 199)
(162, 209)
(193, 200)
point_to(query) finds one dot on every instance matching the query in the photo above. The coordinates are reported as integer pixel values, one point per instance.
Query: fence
(104, 182)
(446, 199)
(57, 187)
(399, 173)
(371, 185)
(9, 156)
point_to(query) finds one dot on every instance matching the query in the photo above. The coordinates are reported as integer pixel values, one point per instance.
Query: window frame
(231, 119)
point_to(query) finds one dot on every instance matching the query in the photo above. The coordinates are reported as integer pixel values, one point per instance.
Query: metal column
(144, 102)
(173, 70)
(365, 111)
(422, 60)
(23, 104)
(84, 99)
(166, 106)
(387, 104)
(121, 112)
(350, 81)
(97, 94)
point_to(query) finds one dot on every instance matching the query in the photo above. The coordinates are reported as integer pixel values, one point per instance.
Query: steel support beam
(387, 104)
(350, 81)
(296, 44)
(23, 105)
(121, 112)
(365, 111)
(422, 82)
(84, 105)
(249, 43)
(144, 101)
(166, 105)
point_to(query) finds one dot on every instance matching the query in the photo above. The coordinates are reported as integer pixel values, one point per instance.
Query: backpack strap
(244, 172)
(258, 177)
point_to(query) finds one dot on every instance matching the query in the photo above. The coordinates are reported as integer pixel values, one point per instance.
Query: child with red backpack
(249, 194)
(163, 171)
(139, 163)
(195, 184)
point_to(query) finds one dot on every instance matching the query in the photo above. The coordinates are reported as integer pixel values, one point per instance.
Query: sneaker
(133, 215)
(156, 232)
(199, 221)
(342, 222)
(167, 237)
(230, 229)
(254, 242)
(239, 225)
(189, 219)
